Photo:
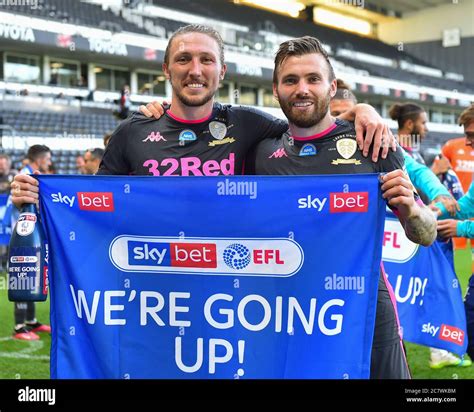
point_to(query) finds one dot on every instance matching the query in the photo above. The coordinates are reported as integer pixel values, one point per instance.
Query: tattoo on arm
(421, 228)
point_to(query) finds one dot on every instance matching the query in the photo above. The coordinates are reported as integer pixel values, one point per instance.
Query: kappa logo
(154, 137)
(277, 154)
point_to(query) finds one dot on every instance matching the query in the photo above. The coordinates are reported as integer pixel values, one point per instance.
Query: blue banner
(427, 291)
(212, 277)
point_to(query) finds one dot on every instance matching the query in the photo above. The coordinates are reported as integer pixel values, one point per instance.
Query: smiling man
(317, 143)
(198, 136)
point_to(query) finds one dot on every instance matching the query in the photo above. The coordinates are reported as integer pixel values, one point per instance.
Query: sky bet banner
(427, 291)
(213, 277)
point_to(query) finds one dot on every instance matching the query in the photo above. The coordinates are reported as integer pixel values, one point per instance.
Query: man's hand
(24, 189)
(154, 109)
(417, 220)
(440, 166)
(399, 192)
(368, 121)
(448, 202)
(447, 228)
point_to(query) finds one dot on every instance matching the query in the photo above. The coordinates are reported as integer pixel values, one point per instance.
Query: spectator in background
(420, 175)
(6, 174)
(80, 165)
(92, 159)
(412, 128)
(53, 81)
(460, 154)
(124, 102)
(460, 151)
(81, 82)
(344, 100)
(24, 163)
(26, 324)
(51, 169)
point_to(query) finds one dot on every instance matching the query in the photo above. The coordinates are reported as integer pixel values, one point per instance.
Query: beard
(311, 117)
(417, 134)
(193, 101)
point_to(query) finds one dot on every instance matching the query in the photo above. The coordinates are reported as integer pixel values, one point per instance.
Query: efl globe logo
(236, 256)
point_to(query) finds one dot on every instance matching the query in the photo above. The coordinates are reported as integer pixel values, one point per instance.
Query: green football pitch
(30, 360)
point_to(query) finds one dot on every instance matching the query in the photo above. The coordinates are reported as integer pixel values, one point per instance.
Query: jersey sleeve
(465, 229)
(393, 161)
(114, 161)
(466, 204)
(262, 125)
(424, 179)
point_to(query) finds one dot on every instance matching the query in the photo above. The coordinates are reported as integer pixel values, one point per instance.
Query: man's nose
(195, 69)
(302, 88)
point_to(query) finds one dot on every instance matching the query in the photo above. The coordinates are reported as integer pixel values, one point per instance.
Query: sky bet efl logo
(278, 257)
(339, 202)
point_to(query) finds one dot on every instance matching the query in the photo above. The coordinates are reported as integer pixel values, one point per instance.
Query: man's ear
(275, 92)
(223, 72)
(333, 88)
(164, 66)
(409, 125)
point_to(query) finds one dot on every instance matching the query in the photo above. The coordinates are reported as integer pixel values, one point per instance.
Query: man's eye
(290, 81)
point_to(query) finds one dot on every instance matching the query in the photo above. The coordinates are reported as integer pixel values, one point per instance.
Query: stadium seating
(52, 124)
(49, 124)
(76, 12)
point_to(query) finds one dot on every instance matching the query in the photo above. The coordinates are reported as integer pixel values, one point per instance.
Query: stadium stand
(249, 31)
(75, 12)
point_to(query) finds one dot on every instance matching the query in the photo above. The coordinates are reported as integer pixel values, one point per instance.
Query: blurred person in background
(80, 164)
(92, 159)
(422, 177)
(460, 154)
(412, 130)
(6, 174)
(124, 102)
(460, 151)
